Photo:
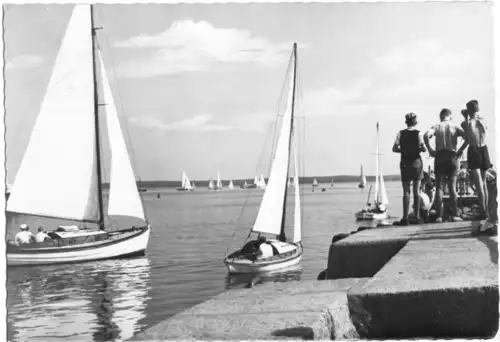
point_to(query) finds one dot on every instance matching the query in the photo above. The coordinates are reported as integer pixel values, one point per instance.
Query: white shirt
(266, 250)
(23, 237)
(40, 237)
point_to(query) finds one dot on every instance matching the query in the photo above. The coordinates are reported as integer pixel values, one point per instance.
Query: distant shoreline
(238, 182)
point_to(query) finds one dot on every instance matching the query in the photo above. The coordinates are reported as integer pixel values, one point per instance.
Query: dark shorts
(446, 163)
(412, 170)
(478, 158)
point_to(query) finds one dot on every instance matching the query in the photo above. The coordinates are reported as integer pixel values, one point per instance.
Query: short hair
(445, 112)
(40, 228)
(411, 119)
(472, 106)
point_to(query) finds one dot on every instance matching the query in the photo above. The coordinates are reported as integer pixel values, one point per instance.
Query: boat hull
(371, 216)
(244, 266)
(361, 186)
(183, 189)
(131, 245)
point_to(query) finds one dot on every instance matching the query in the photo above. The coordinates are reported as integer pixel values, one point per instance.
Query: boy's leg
(406, 199)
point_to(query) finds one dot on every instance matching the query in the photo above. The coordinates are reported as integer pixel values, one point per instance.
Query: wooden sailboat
(271, 216)
(231, 185)
(60, 174)
(380, 201)
(185, 183)
(362, 179)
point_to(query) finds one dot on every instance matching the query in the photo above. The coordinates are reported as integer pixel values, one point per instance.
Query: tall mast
(96, 116)
(377, 186)
(282, 236)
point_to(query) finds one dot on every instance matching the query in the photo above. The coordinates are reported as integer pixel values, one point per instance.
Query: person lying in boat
(41, 236)
(24, 236)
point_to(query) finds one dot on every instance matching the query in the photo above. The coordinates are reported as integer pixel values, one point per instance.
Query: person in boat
(409, 143)
(478, 158)
(41, 236)
(24, 236)
(445, 160)
(265, 249)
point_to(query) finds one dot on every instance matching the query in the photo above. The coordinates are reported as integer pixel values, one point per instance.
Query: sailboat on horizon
(218, 185)
(377, 210)
(362, 179)
(231, 185)
(186, 184)
(60, 173)
(272, 211)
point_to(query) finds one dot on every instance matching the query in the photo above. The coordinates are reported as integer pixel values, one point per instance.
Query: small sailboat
(271, 216)
(193, 185)
(210, 184)
(231, 185)
(362, 179)
(244, 186)
(218, 184)
(315, 182)
(380, 201)
(185, 183)
(261, 184)
(332, 184)
(60, 173)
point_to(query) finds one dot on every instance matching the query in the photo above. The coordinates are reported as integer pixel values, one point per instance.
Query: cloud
(191, 46)
(201, 123)
(419, 75)
(24, 61)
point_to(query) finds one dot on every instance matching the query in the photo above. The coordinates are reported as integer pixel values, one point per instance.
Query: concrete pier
(421, 281)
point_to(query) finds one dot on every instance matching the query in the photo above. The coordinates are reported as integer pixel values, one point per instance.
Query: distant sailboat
(193, 185)
(362, 179)
(262, 182)
(60, 173)
(185, 183)
(332, 184)
(380, 201)
(210, 184)
(244, 186)
(315, 182)
(271, 216)
(231, 185)
(218, 185)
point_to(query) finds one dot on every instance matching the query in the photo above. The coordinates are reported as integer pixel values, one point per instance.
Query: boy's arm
(396, 148)
(461, 133)
(429, 134)
(421, 142)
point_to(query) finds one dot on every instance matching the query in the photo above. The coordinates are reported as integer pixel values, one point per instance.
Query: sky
(197, 85)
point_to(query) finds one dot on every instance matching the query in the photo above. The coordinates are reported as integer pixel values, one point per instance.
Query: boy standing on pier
(478, 158)
(409, 143)
(446, 161)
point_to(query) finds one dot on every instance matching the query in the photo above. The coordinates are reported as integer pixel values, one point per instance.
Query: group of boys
(410, 143)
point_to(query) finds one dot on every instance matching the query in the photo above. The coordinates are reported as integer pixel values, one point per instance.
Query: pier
(417, 281)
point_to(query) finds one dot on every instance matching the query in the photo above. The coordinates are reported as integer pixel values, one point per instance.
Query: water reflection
(242, 280)
(99, 301)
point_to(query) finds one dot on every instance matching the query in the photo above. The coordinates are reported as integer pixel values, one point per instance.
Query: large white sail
(219, 182)
(256, 181)
(362, 178)
(270, 213)
(58, 174)
(124, 199)
(186, 183)
(297, 222)
(231, 185)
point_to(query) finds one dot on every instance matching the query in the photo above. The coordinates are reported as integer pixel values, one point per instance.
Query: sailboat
(315, 182)
(185, 183)
(218, 185)
(231, 185)
(362, 179)
(193, 185)
(210, 184)
(60, 173)
(244, 186)
(332, 184)
(271, 216)
(380, 201)
(261, 184)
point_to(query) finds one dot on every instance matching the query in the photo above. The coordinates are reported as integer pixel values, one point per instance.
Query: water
(111, 300)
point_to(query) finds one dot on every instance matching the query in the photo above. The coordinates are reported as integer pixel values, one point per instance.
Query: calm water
(111, 300)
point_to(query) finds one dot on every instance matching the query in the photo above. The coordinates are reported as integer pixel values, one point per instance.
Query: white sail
(383, 193)
(297, 222)
(58, 174)
(256, 181)
(186, 183)
(210, 184)
(315, 182)
(219, 182)
(362, 178)
(124, 199)
(231, 185)
(193, 185)
(246, 184)
(270, 213)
